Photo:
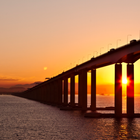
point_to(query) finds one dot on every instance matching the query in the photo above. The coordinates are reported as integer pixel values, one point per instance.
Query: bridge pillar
(55, 92)
(72, 91)
(93, 89)
(51, 92)
(118, 90)
(45, 94)
(66, 91)
(79, 90)
(130, 90)
(60, 92)
(48, 94)
(83, 89)
(50, 97)
(42, 95)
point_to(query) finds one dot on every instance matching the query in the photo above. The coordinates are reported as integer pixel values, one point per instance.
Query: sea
(24, 119)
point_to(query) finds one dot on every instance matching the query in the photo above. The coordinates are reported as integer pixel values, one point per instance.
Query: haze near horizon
(41, 39)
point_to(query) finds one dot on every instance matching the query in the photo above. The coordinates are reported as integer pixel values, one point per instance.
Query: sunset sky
(42, 38)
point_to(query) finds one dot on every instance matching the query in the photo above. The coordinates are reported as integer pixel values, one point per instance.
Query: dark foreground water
(22, 119)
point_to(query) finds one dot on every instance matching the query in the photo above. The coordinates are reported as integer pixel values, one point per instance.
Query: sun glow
(124, 80)
(45, 68)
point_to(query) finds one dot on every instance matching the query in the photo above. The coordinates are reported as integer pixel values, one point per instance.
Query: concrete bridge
(51, 91)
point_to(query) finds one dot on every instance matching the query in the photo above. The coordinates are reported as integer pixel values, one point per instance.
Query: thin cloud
(8, 79)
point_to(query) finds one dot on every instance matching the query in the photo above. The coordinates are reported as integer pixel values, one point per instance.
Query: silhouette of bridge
(51, 91)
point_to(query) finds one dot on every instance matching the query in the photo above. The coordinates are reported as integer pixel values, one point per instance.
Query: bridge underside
(55, 90)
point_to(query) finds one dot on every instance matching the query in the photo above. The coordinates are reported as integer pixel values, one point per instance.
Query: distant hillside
(12, 89)
(17, 88)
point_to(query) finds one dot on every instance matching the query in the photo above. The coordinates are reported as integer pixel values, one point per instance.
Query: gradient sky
(41, 38)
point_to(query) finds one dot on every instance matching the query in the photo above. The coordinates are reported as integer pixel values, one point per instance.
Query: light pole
(128, 37)
(117, 42)
(109, 45)
(83, 58)
(96, 53)
(88, 56)
(101, 49)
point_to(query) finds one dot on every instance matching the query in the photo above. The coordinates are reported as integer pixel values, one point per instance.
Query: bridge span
(51, 91)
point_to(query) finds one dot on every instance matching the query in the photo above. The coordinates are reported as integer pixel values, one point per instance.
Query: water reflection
(126, 129)
(31, 120)
(123, 131)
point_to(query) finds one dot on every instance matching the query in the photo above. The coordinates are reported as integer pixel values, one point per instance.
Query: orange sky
(41, 39)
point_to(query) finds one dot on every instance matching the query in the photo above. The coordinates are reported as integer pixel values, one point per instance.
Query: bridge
(51, 91)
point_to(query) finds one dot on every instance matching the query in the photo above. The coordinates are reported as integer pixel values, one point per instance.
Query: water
(108, 101)
(23, 119)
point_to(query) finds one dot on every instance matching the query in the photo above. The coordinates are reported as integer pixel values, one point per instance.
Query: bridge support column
(60, 92)
(66, 91)
(55, 93)
(49, 93)
(83, 89)
(52, 93)
(93, 89)
(79, 91)
(130, 90)
(72, 91)
(47, 100)
(45, 94)
(50, 96)
(118, 90)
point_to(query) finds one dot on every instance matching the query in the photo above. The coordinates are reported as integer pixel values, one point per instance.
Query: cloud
(28, 85)
(8, 79)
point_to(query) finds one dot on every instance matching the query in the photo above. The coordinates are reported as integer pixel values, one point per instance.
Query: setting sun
(45, 68)
(124, 80)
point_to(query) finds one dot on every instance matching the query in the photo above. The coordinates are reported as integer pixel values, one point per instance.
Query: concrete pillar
(118, 90)
(45, 93)
(56, 96)
(60, 92)
(79, 90)
(66, 91)
(49, 93)
(83, 89)
(72, 90)
(130, 90)
(51, 97)
(57, 92)
(93, 89)
(54, 91)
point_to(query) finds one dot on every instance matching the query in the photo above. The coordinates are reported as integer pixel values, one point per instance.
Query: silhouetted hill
(12, 89)
(18, 88)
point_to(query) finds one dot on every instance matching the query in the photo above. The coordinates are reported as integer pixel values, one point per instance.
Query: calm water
(107, 101)
(22, 119)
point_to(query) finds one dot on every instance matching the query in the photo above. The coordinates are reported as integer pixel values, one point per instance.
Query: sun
(45, 68)
(124, 80)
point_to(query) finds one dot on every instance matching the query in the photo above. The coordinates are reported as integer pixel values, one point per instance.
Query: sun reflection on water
(123, 132)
